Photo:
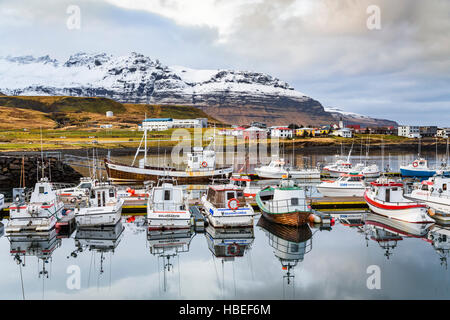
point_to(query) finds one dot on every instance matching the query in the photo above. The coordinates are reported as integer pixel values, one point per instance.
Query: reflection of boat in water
(290, 244)
(387, 232)
(167, 245)
(100, 240)
(440, 238)
(229, 243)
(23, 245)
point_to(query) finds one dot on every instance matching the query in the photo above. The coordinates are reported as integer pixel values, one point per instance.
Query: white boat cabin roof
(43, 192)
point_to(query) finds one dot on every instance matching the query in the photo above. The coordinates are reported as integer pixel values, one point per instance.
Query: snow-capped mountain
(355, 118)
(231, 96)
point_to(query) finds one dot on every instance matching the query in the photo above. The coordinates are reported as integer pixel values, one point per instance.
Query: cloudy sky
(323, 48)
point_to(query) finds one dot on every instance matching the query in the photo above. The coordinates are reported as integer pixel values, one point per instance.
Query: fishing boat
(200, 168)
(103, 208)
(439, 236)
(385, 197)
(284, 204)
(39, 214)
(277, 169)
(348, 185)
(225, 206)
(344, 167)
(435, 193)
(73, 195)
(168, 208)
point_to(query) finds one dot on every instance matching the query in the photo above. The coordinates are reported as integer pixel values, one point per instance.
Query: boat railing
(287, 205)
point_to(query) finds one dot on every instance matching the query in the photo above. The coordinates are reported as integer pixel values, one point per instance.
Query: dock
(197, 218)
(337, 203)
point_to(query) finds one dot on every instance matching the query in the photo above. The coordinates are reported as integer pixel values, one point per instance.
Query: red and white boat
(386, 198)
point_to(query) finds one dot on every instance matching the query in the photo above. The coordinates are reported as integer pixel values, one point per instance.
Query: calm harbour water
(331, 263)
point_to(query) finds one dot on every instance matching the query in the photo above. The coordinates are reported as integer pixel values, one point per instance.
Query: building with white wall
(409, 131)
(344, 133)
(281, 132)
(161, 124)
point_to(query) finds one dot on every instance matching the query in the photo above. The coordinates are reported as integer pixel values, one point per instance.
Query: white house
(344, 133)
(281, 132)
(409, 131)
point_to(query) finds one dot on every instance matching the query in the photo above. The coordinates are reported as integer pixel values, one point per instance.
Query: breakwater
(11, 168)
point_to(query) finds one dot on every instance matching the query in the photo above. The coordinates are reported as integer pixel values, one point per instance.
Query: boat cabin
(437, 184)
(168, 198)
(43, 193)
(288, 197)
(220, 196)
(103, 195)
(388, 191)
(200, 159)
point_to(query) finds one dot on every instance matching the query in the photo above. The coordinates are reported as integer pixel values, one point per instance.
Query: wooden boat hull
(294, 219)
(124, 174)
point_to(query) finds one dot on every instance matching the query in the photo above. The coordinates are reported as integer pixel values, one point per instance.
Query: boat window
(166, 195)
(195, 159)
(444, 187)
(230, 195)
(294, 247)
(111, 193)
(85, 186)
(103, 198)
(294, 201)
(425, 187)
(240, 194)
(41, 190)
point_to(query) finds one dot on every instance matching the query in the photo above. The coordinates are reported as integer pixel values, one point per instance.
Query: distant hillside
(1, 94)
(66, 112)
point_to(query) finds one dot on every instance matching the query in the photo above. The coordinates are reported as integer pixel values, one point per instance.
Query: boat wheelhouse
(103, 208)
(284, 204)
(348, 185)
(168, 208)
(225, 206)
(277, 169)
(385, 197)
(243, 181)
(39, 214)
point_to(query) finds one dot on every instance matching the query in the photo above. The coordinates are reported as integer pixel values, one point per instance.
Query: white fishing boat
(168, 208)
(225, 206)
(348, 185)
(103, 208)
(385, 197)
(435, 193)
(277, 169)
(344, 167)
(39, 214)
(134, 197)
(78, 193)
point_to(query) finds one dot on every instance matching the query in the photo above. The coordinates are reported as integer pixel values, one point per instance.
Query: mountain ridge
(236, 97)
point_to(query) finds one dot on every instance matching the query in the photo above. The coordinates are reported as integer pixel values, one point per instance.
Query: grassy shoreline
(22, 141)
